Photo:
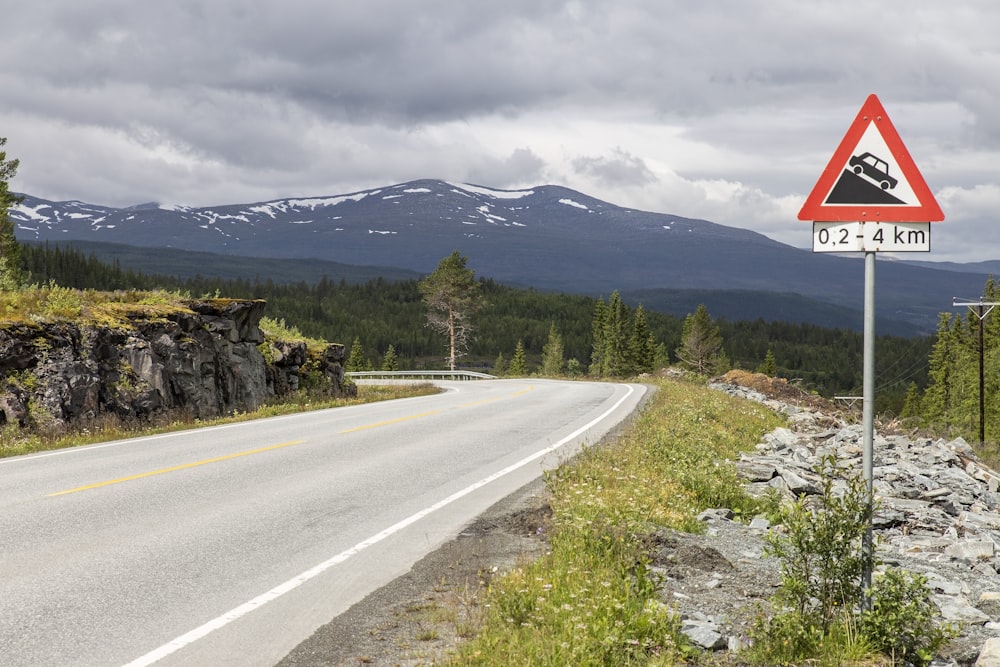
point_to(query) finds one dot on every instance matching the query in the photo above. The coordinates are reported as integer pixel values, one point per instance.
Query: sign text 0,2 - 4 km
(871, 237)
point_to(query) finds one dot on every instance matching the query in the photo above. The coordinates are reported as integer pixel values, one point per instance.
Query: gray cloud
(521, 167)
(727, 109)
(620, 169)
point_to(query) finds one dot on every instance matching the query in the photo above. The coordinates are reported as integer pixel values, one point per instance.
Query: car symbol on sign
(874, 168)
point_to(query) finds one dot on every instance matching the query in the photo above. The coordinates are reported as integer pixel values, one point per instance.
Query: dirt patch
(780, 390)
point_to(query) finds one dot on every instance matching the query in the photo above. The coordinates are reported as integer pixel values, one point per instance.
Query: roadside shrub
(820, 615)
(822, 560)
(901, 619)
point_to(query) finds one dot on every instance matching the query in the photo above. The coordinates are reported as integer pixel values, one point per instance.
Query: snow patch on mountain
(496, 194)
(570, 202)
(31, 213)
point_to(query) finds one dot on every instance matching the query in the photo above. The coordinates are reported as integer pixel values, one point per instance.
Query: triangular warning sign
(871, 177)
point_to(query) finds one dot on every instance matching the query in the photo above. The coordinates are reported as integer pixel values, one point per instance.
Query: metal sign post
(868, 412)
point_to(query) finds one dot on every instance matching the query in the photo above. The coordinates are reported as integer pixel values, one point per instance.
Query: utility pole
(981, 309)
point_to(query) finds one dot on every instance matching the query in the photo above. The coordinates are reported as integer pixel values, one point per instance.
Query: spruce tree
(357, 361)
(518, 363)
(662, 357)
(768, 366)
(597, 361)
(934, 405)
(911, 403)
(11, 273)
(991, 360)
(964, 409)
(642, 346)
(616, 338)
(500, 365)
(390, 362)
(552, 354)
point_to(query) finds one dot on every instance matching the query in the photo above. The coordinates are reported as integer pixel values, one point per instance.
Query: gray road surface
(229, 545)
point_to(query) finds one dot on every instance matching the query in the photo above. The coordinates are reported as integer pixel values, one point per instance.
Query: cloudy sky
(726, 110)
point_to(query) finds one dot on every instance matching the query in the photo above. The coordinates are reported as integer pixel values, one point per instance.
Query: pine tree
(642, 346)
(617, 362)
(768, 366)
(389, 361)
(701, 344)
(911, 403)
(599, 322)
(500, 365)
(452, 297)
(934, 406)
(552, 354)
(662, 358)
(518, 363)
(357, 361)
(991, 360)
(11, 274)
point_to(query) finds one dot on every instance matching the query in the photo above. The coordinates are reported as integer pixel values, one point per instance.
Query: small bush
(901, 619)
(822, 559)
(823, 563)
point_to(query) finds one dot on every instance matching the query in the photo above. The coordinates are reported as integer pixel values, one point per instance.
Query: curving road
(229, 545)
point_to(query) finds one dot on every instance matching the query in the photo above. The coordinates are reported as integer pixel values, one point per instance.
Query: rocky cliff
(205, 357)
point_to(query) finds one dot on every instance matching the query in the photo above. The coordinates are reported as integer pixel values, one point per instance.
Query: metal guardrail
(419, 375)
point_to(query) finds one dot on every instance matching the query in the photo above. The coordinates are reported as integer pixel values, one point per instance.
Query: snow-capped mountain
(547, 237)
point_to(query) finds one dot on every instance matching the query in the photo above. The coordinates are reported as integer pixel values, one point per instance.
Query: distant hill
(191, 263)
(991, 267)
(742, 305)
(547, 237)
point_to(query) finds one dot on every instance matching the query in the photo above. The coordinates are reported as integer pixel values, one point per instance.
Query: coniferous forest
(379, 314)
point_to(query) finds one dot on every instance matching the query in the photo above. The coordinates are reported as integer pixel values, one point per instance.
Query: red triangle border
(814, 209)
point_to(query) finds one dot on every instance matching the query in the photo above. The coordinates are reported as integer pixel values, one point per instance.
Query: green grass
(591, 600)
(52, 303)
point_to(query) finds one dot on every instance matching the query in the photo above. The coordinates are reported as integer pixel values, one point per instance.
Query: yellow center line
(266, 449)
(175, 468)
(496, 398)
(391, 421)
(485, 401)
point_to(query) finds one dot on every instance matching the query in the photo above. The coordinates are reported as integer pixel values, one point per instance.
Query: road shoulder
(420, 616)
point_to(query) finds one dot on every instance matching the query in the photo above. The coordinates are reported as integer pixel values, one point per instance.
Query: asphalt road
(229, 545)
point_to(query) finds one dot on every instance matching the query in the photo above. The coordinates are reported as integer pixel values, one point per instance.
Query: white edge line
(238, 612)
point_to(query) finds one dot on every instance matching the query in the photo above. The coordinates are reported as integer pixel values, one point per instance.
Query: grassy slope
(591, 600)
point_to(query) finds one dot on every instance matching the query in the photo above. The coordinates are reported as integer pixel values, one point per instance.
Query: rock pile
(938, 515)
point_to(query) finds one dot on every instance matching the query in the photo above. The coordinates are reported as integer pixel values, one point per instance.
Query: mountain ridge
(549, 237)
